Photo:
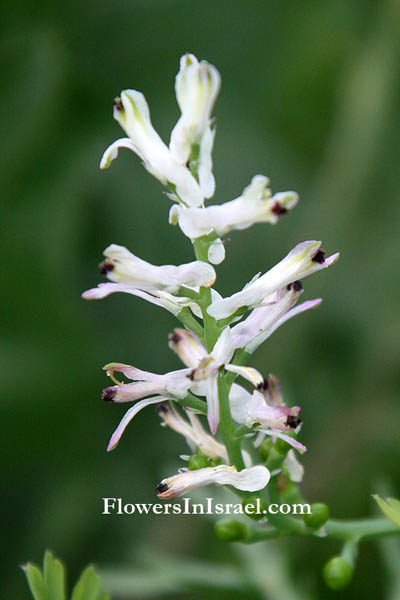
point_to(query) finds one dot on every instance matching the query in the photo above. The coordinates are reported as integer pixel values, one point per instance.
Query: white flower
(205, 366)
(255, 205)
(294, 467)
(250, 480)
(132, 113)
(271, 418)
(306, 258)
(192, 430)
(197, 85)
(263, 321)
(174, 304)
(133, 275)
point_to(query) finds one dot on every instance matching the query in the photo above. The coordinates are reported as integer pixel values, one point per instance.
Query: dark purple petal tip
(296, 286)
(105, 267)
(109, 394)
(117, 104)
(319, 257)
(174, 337)
(292, 421)
(162, 487)
(263, 385)
(278, 210)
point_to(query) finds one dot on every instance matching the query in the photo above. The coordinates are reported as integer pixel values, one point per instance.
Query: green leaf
(88, 587)
(36, 582)
(390, 507)
(54, 577)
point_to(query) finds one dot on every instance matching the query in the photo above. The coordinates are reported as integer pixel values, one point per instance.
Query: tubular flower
(205, 366)
(305, 258)
(266, 412)
(133, 275)
(250, 480)
(132, 113)
(192, 430)
(197, 85)
(255, 205)
(262, 322)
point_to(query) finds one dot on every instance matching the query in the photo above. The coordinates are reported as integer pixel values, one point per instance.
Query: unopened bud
(229, 530)
(337, 573)
(255, 507)
(318, 517)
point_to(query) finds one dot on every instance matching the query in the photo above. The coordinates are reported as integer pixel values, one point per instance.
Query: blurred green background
(310, 95)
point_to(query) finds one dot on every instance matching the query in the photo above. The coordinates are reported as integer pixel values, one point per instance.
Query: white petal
(216, 252)
(248, 373)
(173, 304)
(111, 153)
(251, 480)
(263, 321)
(206, 177)
(121, 266)
(223, 349)
(295, 468)
(132, 113)
(297, 264)
(197, 85)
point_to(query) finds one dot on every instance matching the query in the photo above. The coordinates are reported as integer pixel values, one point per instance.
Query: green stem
(191, 401)
(226, 425)
(187, 319)
(360, 528)
(284, 523)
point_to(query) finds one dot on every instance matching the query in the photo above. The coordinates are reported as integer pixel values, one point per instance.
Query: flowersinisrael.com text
(116, 506)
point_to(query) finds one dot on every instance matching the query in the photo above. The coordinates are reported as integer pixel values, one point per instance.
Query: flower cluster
(218, 334)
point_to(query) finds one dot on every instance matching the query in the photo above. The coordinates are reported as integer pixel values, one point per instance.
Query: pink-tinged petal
(213, 403)
(296, 311)
(129, 392)
(145, 383)
(131, 372)
(116, 436)
(187, 346)
(291, 441)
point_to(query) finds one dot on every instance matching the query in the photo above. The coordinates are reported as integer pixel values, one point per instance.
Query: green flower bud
(318, 517)
(254, 507)
(265, 448)
(337, 573)
(198, 461)
(229, 530)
